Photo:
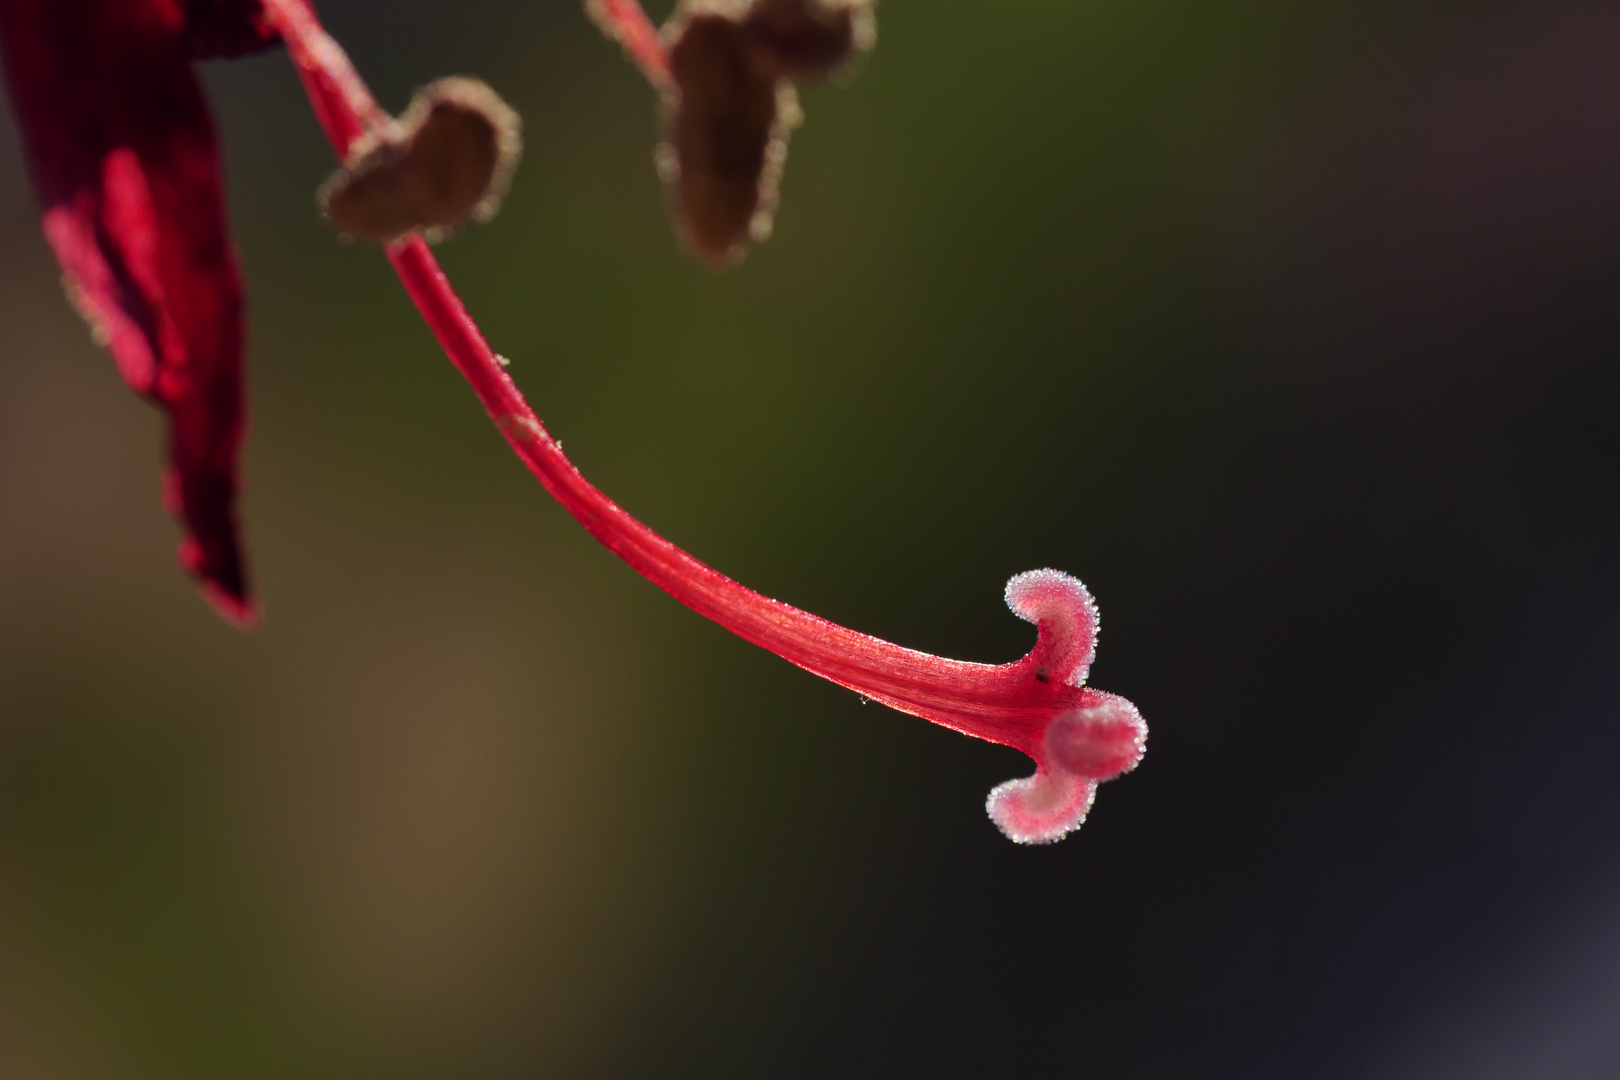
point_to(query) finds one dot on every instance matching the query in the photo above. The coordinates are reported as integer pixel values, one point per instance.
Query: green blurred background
(1289, 327)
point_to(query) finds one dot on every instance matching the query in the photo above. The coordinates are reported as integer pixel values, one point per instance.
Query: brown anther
(730, 118)
(809, 39)
(448, 159)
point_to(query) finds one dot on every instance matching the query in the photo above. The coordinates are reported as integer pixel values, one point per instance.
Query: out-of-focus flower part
(624, 21)
(127, 170)
(726, 70)
(809, 39)
(448, 159)
(728, 132)
(226, 28)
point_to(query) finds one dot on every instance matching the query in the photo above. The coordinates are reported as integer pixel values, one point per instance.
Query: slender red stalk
(625, 22)
(1037, 704)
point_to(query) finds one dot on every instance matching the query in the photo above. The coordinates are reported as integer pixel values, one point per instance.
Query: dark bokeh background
(1290, 327)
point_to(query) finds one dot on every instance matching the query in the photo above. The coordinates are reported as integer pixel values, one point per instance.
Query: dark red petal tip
(126, 165)
(203, 500)
(241, 612)
(230, 601)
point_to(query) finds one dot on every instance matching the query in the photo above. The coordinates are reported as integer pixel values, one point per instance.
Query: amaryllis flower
(126, 167)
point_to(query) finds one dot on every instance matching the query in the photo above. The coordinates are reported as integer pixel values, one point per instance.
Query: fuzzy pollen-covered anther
(809, 39)
(727, 72)
(729, 122)
(446, 161)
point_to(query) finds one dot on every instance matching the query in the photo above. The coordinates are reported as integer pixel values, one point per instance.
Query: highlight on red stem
(1040, 705)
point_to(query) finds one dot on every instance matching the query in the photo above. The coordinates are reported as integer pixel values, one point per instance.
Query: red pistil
(1039, 704)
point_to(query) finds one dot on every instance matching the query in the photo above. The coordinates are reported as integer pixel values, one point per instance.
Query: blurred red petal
(222, 28)
(126, 166)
